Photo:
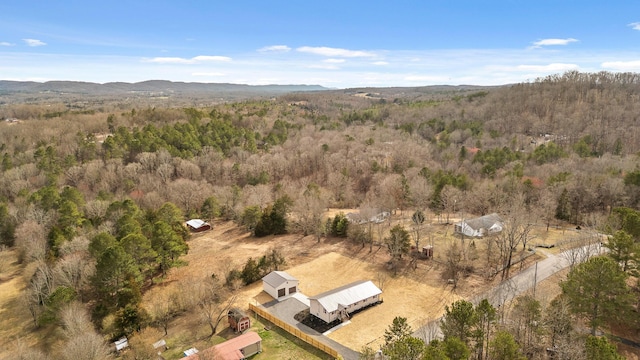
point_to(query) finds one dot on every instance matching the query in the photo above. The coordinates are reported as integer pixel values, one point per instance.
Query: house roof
(346, 295)
(277, 278)
(230, 349)
(196, 223)
(483, 222)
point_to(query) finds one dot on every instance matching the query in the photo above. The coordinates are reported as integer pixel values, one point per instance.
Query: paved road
(499, 295)
(522, 282)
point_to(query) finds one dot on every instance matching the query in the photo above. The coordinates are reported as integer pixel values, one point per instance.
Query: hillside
(96, 181)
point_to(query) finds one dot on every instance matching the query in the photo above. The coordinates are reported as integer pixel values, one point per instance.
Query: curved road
(522, 282)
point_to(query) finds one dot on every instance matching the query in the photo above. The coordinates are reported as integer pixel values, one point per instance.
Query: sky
(338, 44)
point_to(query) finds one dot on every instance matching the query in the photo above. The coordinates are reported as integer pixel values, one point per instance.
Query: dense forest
(93, 196)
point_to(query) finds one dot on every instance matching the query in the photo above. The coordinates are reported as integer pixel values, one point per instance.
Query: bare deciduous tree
(24, 351)
(213, 302)
(31, 241)
(454, 263)
(75, 320)
(515, 232)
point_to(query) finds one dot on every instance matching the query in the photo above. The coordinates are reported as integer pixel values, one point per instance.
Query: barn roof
(277, 278)
(237, 314)
(346, 295)
(483, 222)
(230, 349)
(196, 223)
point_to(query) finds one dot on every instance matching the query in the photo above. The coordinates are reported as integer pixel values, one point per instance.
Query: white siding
(281, 281)
(350, 297)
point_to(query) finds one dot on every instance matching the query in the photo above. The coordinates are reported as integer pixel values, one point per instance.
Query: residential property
(197, 225)
(238, 320)
(238, 348)
(481, 226)
(358, 218)
(338, 303)
(279, 284)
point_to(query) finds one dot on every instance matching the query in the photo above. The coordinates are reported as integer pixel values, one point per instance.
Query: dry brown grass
(419, 294)
(15, 320)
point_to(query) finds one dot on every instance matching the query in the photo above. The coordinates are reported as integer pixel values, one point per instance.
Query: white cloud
(34, 42)
(635, 25)
(205, 58)
(380, 63)
(334, 52)
(555, 67)
(334, 61)
(633, 65)
(193, 60)
(208, 74)
(275, 48)
(4, 43)
(553, 42)
(324, 67)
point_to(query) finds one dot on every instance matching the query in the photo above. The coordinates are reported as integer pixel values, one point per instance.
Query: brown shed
(238, 320)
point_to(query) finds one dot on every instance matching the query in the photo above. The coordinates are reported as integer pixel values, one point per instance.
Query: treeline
(568, 145)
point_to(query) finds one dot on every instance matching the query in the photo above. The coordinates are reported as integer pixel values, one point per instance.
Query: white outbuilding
(279, 284)
(340, 302)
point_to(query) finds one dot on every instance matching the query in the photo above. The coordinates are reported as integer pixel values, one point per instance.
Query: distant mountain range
(152, 87)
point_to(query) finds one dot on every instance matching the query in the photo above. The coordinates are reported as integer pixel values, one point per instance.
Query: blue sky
(332, 43)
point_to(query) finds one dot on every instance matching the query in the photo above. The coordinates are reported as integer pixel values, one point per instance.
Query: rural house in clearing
(340, 302)
(197, 225)
(279, 284)
(481, 226)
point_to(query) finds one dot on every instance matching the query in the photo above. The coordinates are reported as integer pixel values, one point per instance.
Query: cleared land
(418, 294)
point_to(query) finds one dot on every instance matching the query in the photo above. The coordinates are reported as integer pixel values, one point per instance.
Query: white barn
(481, 226)
(279, 284)
(340, 302)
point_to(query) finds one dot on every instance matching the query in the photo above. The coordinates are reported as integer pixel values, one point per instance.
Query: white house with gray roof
(481, 226)
(279, 284)
(340, 302)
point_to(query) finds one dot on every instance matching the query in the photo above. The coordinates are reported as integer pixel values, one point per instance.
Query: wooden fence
(294, 331)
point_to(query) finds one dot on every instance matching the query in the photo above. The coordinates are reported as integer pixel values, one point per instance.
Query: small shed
(121, 343)
(238, 320)
(197, 225)
(427, 251)
(160, 344)
(190, 353)
(279, 284)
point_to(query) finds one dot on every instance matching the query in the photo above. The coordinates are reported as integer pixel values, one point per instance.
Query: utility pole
(535, 280)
